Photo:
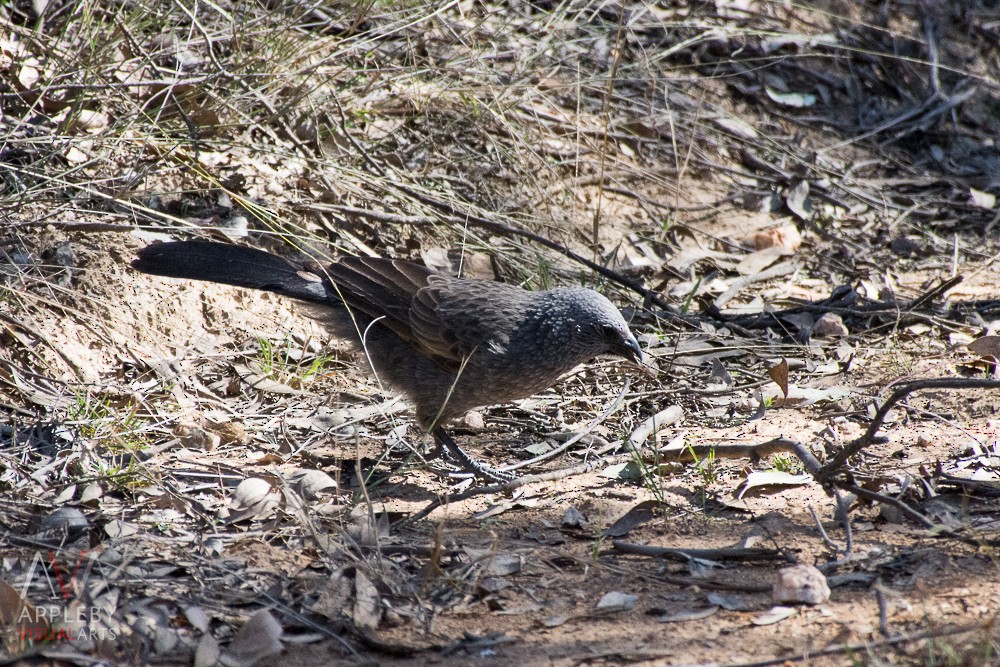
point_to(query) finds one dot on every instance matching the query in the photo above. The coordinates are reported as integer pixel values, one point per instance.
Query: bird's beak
(629, 349)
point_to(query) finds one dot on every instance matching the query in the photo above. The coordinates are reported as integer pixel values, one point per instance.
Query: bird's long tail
(232, 265)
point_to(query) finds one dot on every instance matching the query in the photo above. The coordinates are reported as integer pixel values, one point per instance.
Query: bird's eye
(608, 331)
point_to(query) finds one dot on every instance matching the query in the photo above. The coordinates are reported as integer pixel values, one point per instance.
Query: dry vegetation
(193, 474)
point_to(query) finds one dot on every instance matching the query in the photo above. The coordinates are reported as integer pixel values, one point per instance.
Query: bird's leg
(455, 453)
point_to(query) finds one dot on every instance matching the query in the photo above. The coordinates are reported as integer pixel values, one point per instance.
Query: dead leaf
(207, 654)
(253, 498)
(367, 529)
(367, 612)
(230, 433)
(6, 55)
(803, 323)
(805, 396)
(91, 494)
(74, 155)
(259, 638)
(719, 375)
(624, 471)
(787, 236)
(19, 622)
(982, 199)
(759, 260)
(770, 478)
(197, 617)
(779, 374)
(636, 516)
(797, 200)
(64, 523)
(730, 601)
(688, 255)
(986, 346)
(313, 484)
(458, 262)
(28, 75)
(250, 492)
(737, 126)
(573, 518)
(616, 601)
(774, 615)
(640, 129)
(474, 419)
(795, 100)
(259, 381)
(797, 41)
(84, 120)
(493, 584)
(120, 529)
(333, 598)
(194, 436)
(686, 615)
(65, 495)
(959, 338)
(503, 564)
(204, 118)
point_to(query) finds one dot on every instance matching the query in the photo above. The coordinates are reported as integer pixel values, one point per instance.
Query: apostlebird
(447, 344)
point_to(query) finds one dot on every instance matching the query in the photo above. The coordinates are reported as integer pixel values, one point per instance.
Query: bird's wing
(382, 289)
(452, 318)
(445, 318)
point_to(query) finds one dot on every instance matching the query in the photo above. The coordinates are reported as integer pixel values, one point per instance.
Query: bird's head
(598, 325)
(618, 339)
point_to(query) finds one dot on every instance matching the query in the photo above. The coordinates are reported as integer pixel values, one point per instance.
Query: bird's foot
(451, 452)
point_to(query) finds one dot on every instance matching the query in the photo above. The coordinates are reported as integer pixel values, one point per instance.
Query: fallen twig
(835, 465)
(860, 647)
(685, 555)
